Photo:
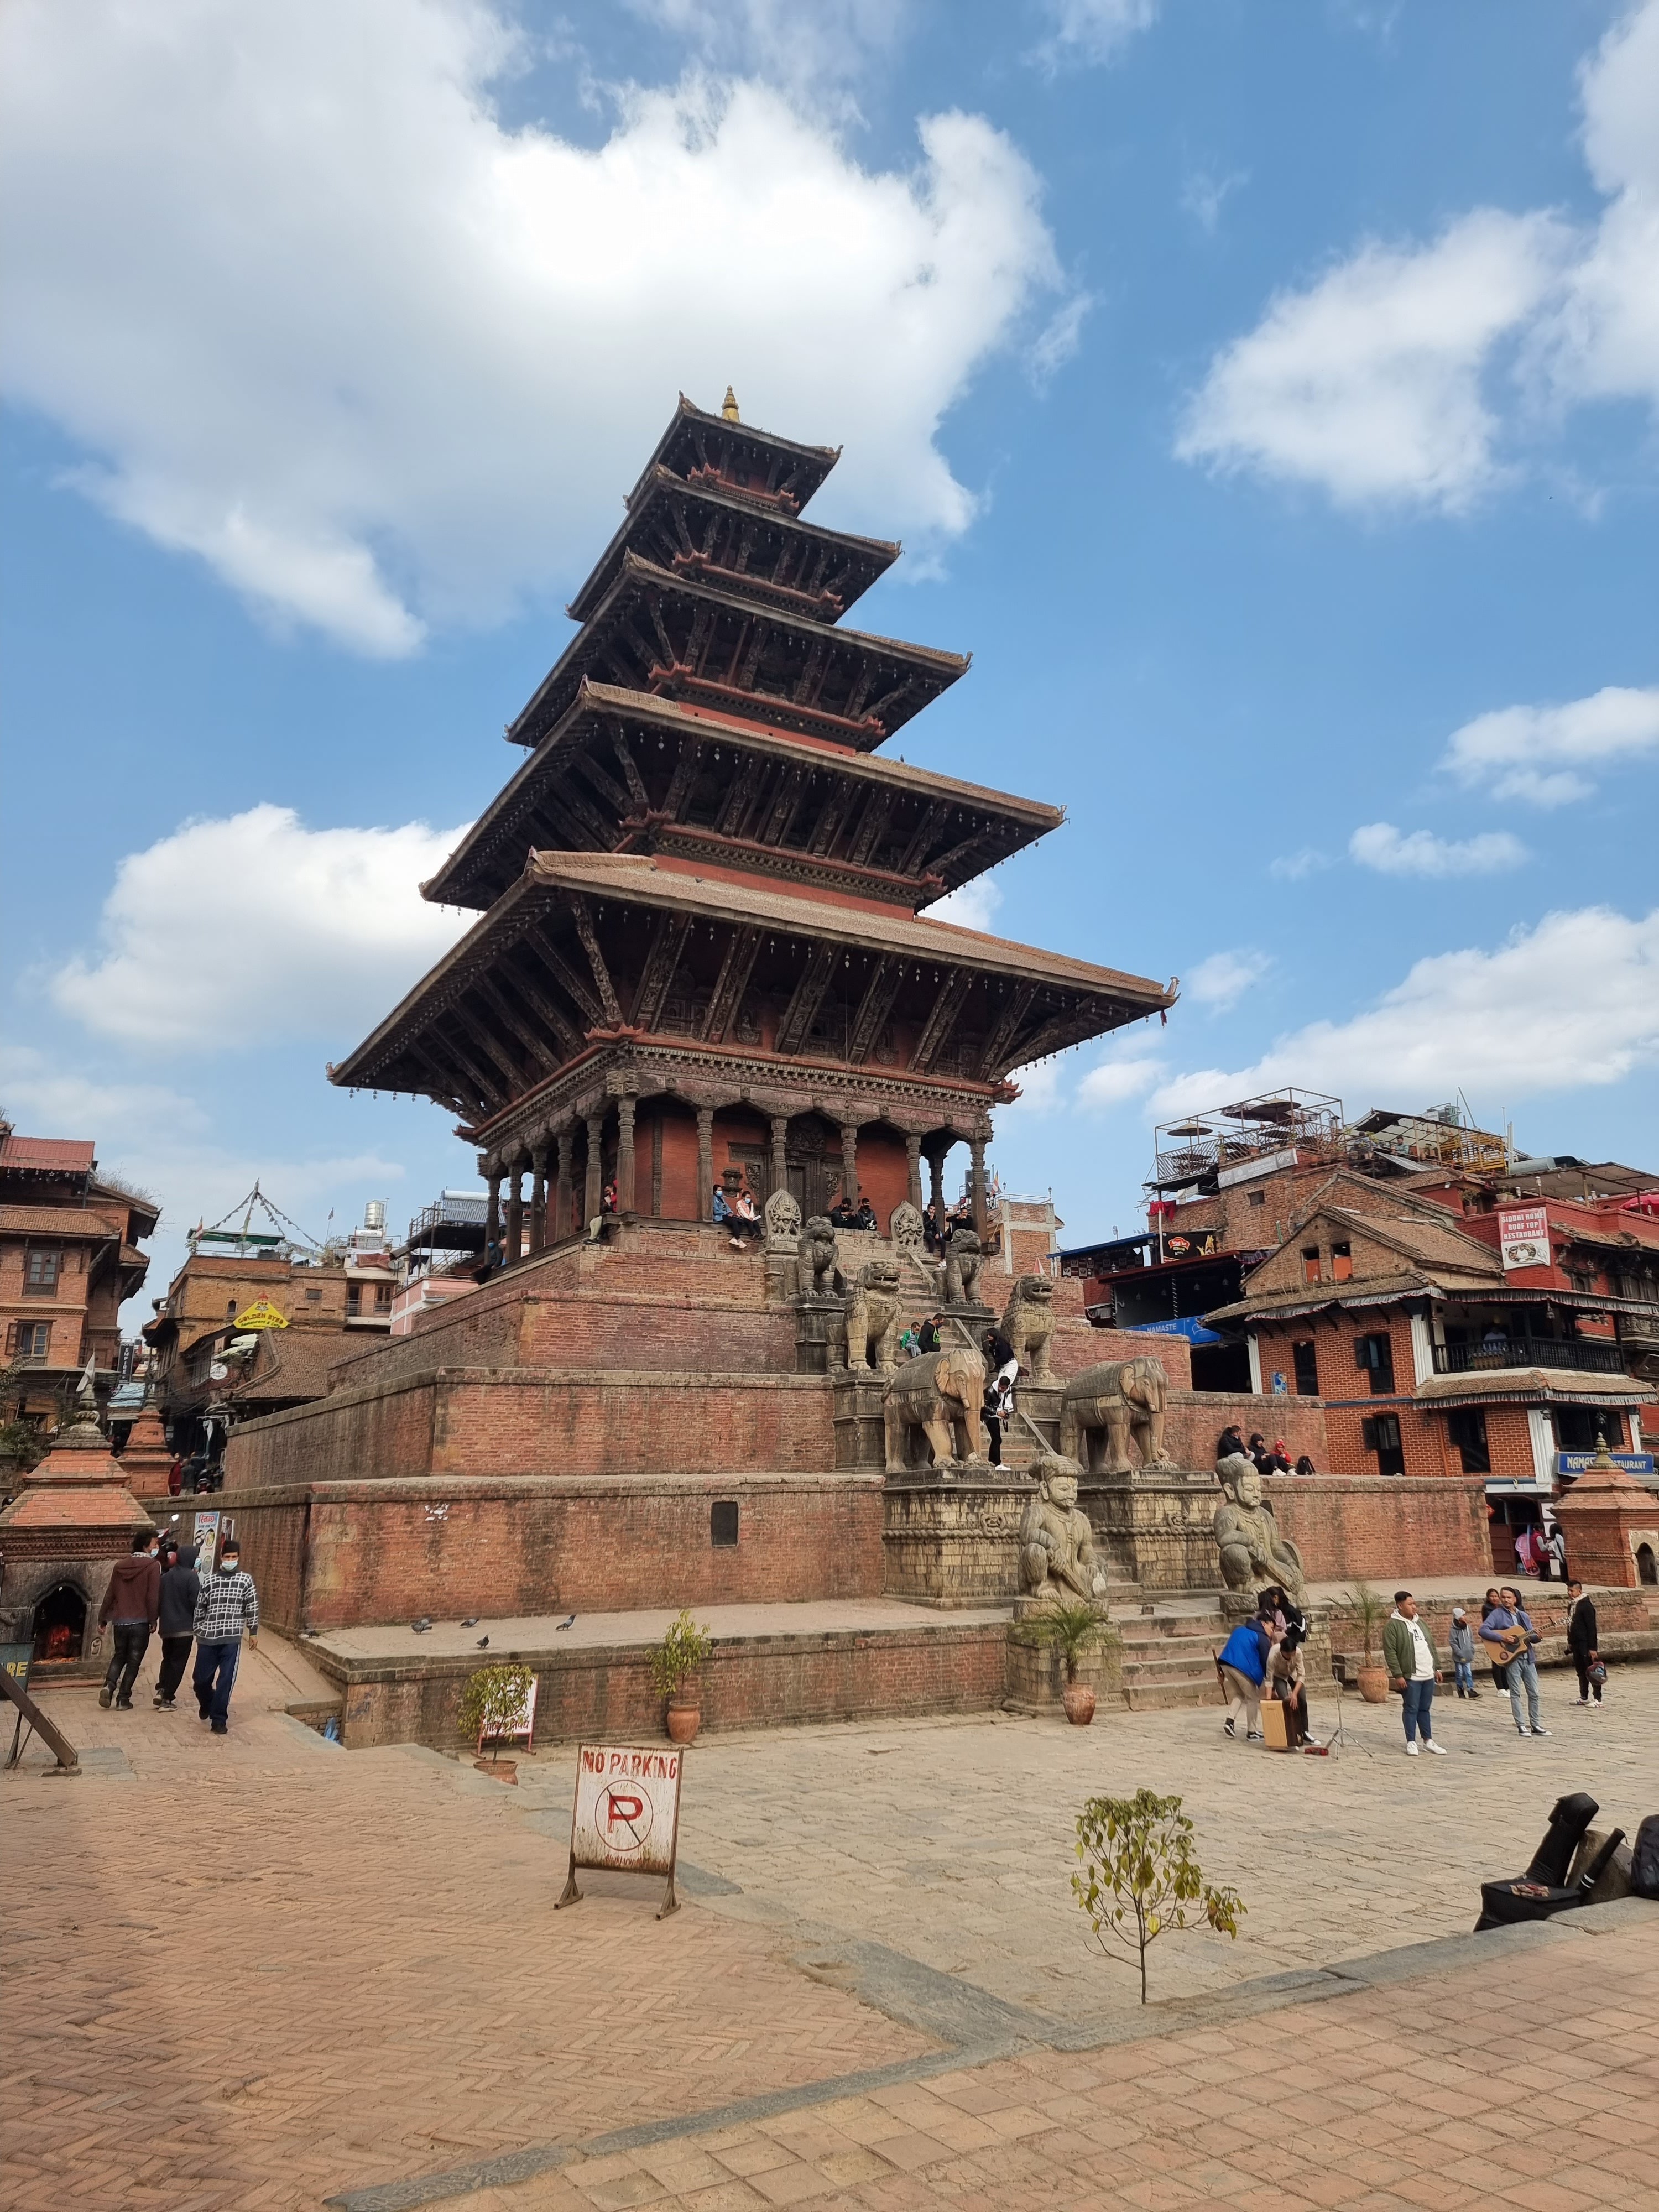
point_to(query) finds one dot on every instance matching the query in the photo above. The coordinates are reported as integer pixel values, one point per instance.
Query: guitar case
(1541, 1892)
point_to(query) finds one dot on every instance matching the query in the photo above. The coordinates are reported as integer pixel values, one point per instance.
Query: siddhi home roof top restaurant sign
(1523, 1237)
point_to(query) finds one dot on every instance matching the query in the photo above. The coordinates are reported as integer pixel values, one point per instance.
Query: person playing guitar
(1508, 1633)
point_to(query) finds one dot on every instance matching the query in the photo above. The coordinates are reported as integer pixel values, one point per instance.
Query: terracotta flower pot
(1373, 1684)
(683, 1722)
(499, 1770)
(1080, 1703)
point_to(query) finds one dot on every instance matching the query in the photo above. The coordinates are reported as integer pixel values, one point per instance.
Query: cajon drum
(1275, 1716)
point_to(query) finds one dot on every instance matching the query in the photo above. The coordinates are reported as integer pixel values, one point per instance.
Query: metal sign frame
(604, 1770)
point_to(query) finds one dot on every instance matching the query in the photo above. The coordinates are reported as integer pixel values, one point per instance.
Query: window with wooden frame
(1310, 1263)
(1380, 1433)
(1467, 1427)
(29, 1339)
(1374, 1355)
(1304, 1358)
(1341, 1264)
(40, 1271)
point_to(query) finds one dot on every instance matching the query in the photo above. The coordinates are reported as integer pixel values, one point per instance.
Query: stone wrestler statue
(1255, 1553)
(1056, 1544)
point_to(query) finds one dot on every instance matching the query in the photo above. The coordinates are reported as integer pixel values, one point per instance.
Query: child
(1463, 1651)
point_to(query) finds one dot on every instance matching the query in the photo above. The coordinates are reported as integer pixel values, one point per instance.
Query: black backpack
(1644, 1858)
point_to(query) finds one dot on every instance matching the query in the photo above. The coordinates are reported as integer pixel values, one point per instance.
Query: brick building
(69, 1256)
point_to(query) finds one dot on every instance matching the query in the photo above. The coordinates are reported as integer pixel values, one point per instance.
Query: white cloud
(814, 51)
(1379, 845)
(1369, 384)
(1538, 753)
(1221, 980)
(1573, 1002)
(1376, 383)
(1085, 32)
(1291, 868)
(254, 928)
(1116, 1080)
(974, 906)
(316, 317)
(1204, 195)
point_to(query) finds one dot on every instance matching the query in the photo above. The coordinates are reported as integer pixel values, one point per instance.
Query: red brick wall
(1384, 1528)
(353, 1554)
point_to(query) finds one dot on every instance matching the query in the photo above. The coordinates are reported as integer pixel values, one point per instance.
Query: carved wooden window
(1304, 1358)
(40, 1274)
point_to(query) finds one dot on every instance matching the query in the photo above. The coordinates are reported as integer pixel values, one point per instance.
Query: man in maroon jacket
(132, 1604)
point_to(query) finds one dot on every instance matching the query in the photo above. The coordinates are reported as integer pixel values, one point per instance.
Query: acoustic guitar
(1510, 1643)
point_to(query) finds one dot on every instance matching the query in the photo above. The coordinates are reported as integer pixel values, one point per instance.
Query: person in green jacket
(1413, 1666)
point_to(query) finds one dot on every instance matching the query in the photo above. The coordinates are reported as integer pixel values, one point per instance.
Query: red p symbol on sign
(625, 1808)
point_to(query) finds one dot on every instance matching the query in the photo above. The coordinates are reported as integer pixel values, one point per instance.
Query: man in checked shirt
(227, 1608)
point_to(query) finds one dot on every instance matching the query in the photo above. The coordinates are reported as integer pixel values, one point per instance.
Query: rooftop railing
(1578, 1356)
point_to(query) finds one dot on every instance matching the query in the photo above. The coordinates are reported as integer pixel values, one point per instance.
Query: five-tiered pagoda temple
(705, 942)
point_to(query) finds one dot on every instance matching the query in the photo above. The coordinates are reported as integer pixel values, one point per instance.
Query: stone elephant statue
(940, 1393)
(873, 1317)
(1116, 1399)
(1028, 1322)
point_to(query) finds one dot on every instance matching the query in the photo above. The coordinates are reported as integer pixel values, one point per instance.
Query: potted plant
(674, 1662)
(497, 1704)
(1370, 1612)
(1072, 1626)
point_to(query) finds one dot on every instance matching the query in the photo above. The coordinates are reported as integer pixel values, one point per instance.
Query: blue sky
(1267, 399)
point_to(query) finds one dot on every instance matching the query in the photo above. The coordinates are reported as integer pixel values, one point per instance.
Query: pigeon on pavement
(470, 1624)
(562, 1623)
(483, 1644)
(420, 1626)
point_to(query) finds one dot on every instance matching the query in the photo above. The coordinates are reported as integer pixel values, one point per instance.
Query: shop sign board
(262, 1314)
(626, 1816)
(1575, 1462)
(1523, 1237)
(206, 1533)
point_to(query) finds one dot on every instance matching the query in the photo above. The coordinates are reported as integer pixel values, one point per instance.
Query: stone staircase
(1169, 1644)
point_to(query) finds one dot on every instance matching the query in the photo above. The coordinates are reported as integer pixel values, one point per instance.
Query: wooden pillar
(780, 1176)
(849, 1166)
(514, 1211)
(913, 1170)
(625, 1154)
(976, 1185)
(936, 1177)
(705, 1163)
(538, 1198)
(493, 1221)
(593, 1195)
(564, 1189)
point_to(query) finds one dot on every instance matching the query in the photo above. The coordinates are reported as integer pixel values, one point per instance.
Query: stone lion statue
(873, 1317)
(782, 1222)
(1057, 1558)
(963, 1262)
(1255, 1554)
(1028, 1322)
(820, 1269)
(940, 1394)
(1120, 1398)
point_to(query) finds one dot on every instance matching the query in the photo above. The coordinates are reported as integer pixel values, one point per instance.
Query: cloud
(1204, 195)
(1537, 753)
(315, 316)
(1377, 382)
(1291, 868)
(1573, 1002)
(816, 53)
(1089, 32)
(1379, 845)
(1116, 1081)
(1224, 978)
(1369, 384)
(253, 929)
(974, 906)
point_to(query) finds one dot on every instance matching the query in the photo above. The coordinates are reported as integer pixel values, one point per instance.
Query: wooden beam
(590, 944)
(603, 781)
(637, 791)
(478, 1032)
(488, 1087)
(441, 1080)
(781, 812)
(536, 1047)
(871, 829)
(808, 997)
(731, 984)
(1004, 1029)
(568, 1032)
(873, 1009)
(947, 1005)
(535, 941)
(661, 964)
(738, 799)
(931, 822)
(843, 794)
(684, 777)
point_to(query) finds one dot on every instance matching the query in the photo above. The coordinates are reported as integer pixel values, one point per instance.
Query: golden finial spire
(729, 406)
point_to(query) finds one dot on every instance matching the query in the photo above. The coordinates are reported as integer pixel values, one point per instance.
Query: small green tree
(1141, 1876)
(1071, 1627)
(684, 1649)
(1370, 1612)
(492, 1702)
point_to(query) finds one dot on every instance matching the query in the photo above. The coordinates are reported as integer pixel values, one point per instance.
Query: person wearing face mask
(227, 1608)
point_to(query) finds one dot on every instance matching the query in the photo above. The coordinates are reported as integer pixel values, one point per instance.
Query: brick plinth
(1384, 1527)
(335, 1555)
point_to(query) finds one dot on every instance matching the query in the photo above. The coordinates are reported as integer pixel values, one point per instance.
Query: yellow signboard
(261, 1314)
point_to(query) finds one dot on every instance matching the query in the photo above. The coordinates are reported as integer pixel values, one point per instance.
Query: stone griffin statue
(1057, 1560)
(1120, 1398)
(962, 1261)
(1255, 1555)
(1028, 1322)
(940, 1394)
(873, 1317)
(820, 1270)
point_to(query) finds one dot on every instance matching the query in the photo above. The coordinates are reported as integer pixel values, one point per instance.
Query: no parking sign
(627, 1814)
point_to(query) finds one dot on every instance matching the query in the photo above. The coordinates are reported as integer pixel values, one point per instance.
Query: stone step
(1171, 1697)
(1190, 1667)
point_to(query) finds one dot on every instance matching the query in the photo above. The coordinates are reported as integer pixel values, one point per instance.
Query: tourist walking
(1413, 1666)
(1461, 1642)
(226, 1609)
(1582, 1646)
(1242, 1663)
(180, 1588)
(129, 1610)
(1508, 1632)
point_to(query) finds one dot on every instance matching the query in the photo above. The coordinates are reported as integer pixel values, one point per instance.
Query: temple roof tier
(679, 638)
(623, 771)
(705, 448)
(760, 552)
(586, 950)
